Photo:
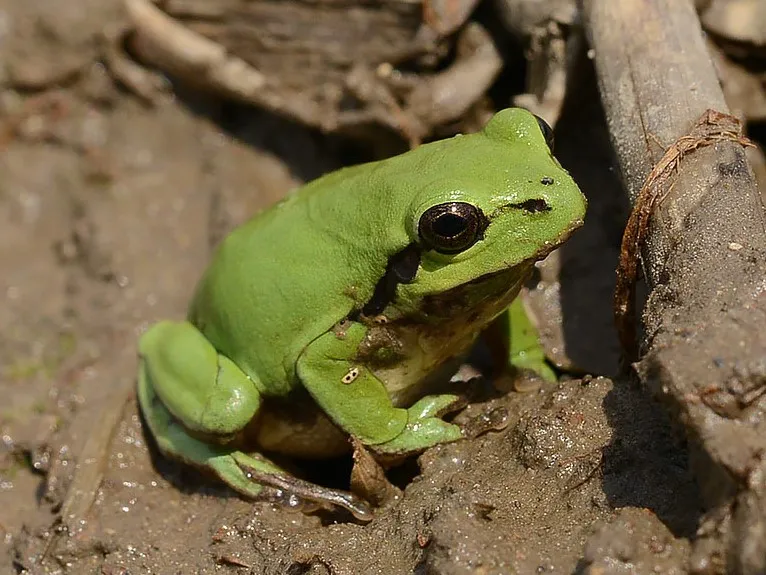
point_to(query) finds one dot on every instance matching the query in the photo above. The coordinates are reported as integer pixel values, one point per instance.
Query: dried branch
(704, 258)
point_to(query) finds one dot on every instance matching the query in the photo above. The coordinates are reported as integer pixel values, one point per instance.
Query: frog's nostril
(533, 206)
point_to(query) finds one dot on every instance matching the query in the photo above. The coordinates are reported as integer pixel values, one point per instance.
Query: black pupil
(449, 225)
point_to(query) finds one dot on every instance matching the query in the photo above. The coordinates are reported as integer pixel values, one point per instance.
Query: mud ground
(109, 211)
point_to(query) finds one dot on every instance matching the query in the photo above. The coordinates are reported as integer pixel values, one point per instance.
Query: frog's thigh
(523, 349)
(173, 441)
(204, 390)
(348, 392)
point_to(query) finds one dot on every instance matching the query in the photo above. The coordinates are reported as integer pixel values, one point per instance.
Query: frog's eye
(452, 227)
(546, 130)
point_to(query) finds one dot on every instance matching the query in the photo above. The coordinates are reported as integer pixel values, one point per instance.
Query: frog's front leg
(515, 341)
(359, 403)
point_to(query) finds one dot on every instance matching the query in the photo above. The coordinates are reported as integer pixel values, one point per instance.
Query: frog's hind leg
(238, 470)
(173, 442)
(184, 384)
(187, 390)
(204, 390)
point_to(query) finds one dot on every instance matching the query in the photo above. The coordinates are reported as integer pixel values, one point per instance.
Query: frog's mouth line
(546, 250)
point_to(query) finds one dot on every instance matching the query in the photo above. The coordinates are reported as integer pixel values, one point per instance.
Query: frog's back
(282, 279)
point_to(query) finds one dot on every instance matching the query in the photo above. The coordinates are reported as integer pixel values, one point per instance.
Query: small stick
(90, 468)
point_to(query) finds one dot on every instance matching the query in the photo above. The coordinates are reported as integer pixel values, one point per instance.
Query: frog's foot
(424, 428)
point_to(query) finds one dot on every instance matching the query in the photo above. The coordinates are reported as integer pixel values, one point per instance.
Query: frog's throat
(418, 351)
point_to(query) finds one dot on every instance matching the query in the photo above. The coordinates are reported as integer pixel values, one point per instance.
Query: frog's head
(491, 202)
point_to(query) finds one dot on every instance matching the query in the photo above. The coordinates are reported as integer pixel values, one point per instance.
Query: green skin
(281, 311)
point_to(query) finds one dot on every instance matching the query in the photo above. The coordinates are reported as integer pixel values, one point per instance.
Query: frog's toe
(420, 435)
(433, 406)
(230, 472)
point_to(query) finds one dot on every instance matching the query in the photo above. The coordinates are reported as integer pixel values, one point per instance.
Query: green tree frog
(336, 312)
